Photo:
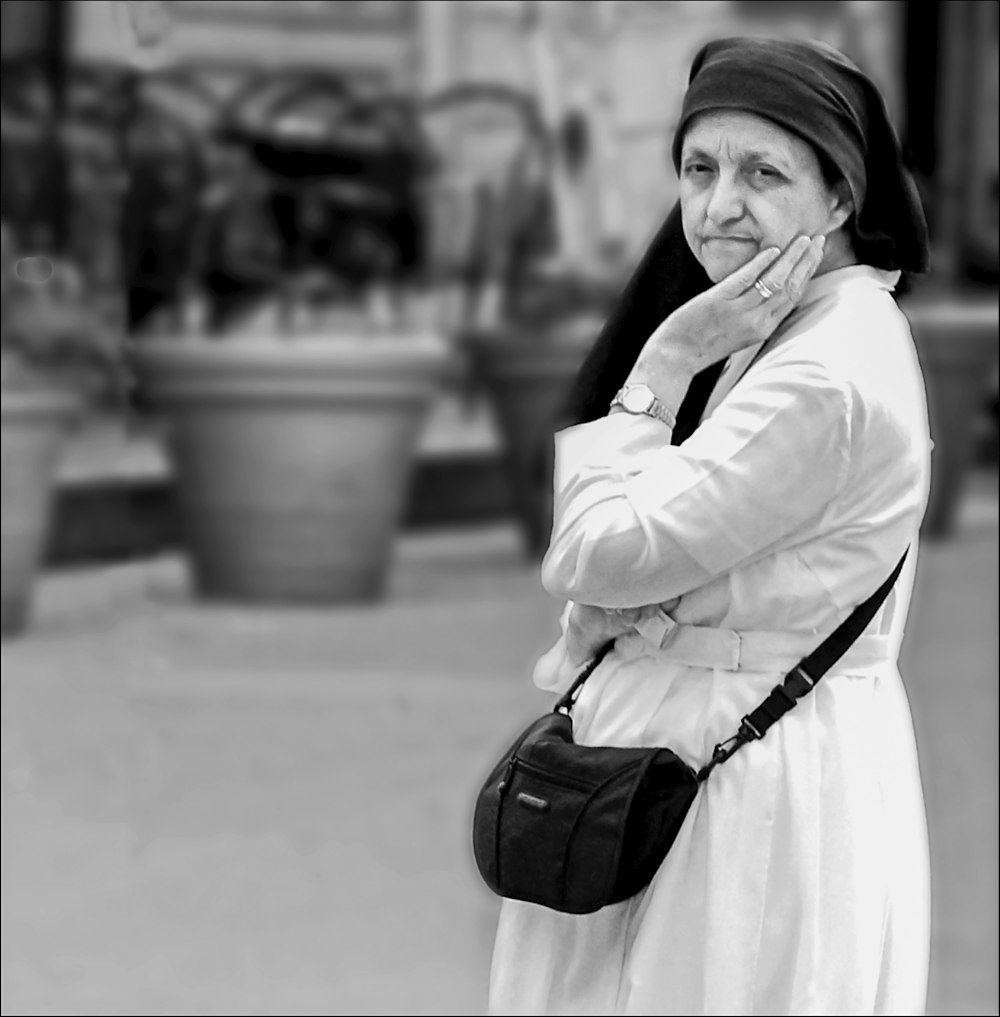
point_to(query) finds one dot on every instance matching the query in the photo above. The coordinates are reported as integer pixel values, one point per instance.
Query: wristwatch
(641, 399)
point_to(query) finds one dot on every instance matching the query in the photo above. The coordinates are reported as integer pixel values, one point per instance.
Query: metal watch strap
(657, 410)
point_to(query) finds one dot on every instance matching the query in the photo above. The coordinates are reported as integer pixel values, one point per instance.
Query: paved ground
(225, 811)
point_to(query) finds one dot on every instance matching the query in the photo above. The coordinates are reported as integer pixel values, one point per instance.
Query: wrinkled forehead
(737, 135)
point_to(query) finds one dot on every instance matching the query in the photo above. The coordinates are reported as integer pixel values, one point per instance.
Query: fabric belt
(742, 650)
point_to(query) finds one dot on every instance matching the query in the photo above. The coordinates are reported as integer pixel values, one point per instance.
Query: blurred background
(292, 291)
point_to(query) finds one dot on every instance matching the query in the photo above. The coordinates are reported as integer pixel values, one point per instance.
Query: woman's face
(747, 184)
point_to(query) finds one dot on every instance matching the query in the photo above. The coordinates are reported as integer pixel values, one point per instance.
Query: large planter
(34, 426)
(957, 345)
(292, 457)
(528, 377)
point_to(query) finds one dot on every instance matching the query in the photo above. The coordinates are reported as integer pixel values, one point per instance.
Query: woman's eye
(696, 168)
(766, 173)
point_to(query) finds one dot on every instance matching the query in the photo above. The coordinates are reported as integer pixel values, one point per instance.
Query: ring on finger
(763, 289)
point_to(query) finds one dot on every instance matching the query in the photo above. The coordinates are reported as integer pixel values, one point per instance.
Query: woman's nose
(725, 203)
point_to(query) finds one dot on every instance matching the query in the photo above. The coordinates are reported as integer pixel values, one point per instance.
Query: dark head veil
(816, 93)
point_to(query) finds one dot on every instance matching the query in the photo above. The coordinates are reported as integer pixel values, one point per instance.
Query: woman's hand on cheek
(733, 314)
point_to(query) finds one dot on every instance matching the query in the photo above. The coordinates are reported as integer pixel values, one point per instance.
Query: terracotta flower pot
(957, 345)
(528, 376)
(292, 457)
(34, 426)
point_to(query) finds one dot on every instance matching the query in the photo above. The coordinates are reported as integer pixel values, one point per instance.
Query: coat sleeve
(554, 671)
(638, 521)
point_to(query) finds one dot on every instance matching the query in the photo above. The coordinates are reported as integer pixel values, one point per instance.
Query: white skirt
(799, 883)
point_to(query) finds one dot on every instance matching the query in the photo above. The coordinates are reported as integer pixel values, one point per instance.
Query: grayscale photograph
(500, 508)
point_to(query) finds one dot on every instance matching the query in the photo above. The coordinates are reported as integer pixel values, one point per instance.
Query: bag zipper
(515, 762)
(508, 775)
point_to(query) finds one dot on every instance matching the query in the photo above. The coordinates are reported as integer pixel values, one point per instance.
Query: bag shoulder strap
(568, 699)
(802, 679)
(799, 682)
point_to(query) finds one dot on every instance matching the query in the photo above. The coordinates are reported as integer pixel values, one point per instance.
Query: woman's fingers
(785, 299)
(582, 635)
(804, 270)
(736, 284)
(775, 269)
(590, 628)
(629, 615)
(741, 310)
(778, 274)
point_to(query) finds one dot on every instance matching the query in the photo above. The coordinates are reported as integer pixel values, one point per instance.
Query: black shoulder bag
(575, 827)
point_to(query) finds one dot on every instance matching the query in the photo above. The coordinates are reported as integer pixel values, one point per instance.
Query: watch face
(638, 399)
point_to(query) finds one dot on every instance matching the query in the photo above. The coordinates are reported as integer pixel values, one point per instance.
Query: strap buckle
(720, 754)
(724, 750)
(798, 682)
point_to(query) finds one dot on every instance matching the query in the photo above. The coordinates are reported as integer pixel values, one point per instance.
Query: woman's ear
(841, 205)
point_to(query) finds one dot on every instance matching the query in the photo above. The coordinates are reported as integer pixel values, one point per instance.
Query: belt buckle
(659, 630)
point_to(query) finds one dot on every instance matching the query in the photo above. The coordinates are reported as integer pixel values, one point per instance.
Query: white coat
(799, 883)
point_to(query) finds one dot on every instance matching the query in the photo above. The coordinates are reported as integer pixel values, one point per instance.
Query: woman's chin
(721, 259)
(720, 264)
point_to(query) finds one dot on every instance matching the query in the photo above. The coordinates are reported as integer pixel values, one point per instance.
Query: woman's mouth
(729, 240)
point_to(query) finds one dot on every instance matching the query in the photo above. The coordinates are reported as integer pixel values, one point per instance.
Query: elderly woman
(751, 457)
